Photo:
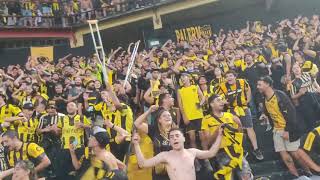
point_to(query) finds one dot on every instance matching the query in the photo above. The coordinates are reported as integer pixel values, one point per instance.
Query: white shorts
(284, 145)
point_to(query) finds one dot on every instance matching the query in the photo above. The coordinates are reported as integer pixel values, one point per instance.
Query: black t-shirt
(61, 105)
(267, 53)
(143, 83)
(160, 143)
(253, 73)
(13, 8)
(48, 138)
(209, 75)
(50, 89)
(277, 73)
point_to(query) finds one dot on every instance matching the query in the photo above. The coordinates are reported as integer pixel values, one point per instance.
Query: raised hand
(153, 108)
(135, 138)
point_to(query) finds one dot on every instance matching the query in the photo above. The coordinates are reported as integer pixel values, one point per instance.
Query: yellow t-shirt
(210, 124)
(240, 64)
(27, 130)
(98, 171)
(8, 110)
(30, 151)
(190, 101)
(235, 94)
(275, 114)
(69, 131)
(103, 108)
(122, 118)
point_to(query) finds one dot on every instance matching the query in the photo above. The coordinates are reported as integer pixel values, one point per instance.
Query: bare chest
(181, 167)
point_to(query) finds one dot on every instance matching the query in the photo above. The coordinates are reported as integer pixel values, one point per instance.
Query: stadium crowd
(65, 120)
(48, 13)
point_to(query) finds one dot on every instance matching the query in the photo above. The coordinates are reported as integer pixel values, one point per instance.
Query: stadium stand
(66, 13)
(230, 104)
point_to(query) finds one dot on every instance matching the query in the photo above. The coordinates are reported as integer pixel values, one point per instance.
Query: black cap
(101, 136)
(28, 106)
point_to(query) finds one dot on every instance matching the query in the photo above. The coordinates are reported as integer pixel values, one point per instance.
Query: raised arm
(296, 44)
(212, 151)
(287, 59)
(140, 122)
(147, 96)
(16, 82)
(75, 162)
(45, 162)
(4, 174)
(122, 132)
(176, 66)
(129, 48)
(115, 52)
(201, 97)
(113, 96)
(145, 163)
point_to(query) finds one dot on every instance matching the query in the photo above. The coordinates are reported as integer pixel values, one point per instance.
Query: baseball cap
(88, 81)
(28, 106)
(101, 135)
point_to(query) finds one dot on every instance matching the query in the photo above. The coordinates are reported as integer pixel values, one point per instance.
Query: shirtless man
(101, 160)
(179, 161)
(86, 6)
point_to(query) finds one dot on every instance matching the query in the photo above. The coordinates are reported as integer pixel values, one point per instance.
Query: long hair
(157, 117)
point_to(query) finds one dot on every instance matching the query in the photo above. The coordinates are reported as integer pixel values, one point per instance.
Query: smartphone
(75, 143)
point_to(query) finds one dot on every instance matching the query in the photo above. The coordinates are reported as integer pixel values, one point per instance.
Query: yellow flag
(42, 52)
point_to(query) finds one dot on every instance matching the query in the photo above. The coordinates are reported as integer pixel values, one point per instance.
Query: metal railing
(62, 19)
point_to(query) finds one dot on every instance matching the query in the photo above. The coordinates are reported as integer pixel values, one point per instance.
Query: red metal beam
(36, 33)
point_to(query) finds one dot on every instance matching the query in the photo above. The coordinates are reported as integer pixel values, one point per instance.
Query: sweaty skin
(179, 161)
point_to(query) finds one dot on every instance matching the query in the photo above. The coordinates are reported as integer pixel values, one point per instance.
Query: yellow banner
(42, 52)
(193, 32)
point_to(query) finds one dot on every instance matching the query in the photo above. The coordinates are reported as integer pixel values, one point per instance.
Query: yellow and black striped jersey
(69, 131)
(8, 110)
(27, 130)
(122, 118)
(28, 151)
